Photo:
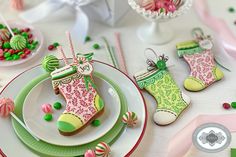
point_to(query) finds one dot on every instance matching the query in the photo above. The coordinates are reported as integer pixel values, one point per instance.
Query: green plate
(47, 149)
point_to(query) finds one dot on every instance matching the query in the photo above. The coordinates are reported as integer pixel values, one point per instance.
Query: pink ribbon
(218, 25)
(184, 137)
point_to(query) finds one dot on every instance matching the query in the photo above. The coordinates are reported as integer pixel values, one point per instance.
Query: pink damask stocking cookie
(198, 54)
(83, 104)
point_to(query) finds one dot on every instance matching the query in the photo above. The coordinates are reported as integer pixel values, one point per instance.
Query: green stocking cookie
(160, 84)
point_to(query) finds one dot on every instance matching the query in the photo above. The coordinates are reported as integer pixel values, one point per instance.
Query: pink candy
(89, 153)
(6, 106)
(1, 53)
(47, 108)
(156, 5)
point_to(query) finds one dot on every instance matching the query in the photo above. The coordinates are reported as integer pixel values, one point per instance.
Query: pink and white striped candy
(103, 149)
(149, 4)
(4, 34)
(89, 153)
(6, 106)
(47, 108)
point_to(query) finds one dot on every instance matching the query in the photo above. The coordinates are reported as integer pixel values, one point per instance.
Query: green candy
(55, 44)
(9, 58)
(1, 26)
(20, 53)
(7, 54)
(15, 30)
(50, 63)
(28, 45)
(96, 46)
(24, 34)
(96, 123)
(32, 47)
(231, 10)
(87, 38)
(35, 43)
(48, 117)
(233, 105)
(16, 57)
(6, 45)
(57, 105)
(18, 42)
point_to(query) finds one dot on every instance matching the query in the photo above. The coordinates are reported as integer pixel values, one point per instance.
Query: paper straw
(71, 47)
(23, 125)
(60, 50)
(120, 54)
(109, 51)
(8, 27)
(114, 57)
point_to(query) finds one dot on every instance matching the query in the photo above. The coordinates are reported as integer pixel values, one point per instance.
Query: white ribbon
(85, 9)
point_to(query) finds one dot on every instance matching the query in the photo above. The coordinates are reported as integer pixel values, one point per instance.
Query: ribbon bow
(199, 35)
(160, 61)
(85, 9)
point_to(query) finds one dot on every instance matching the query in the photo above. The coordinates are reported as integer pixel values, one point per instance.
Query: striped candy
(130, 118)
(18, 42)
(6, 106)
(47, 108)
(103, 150)
(89, 153)
(50, 63)
(4, 34)
(149, 4)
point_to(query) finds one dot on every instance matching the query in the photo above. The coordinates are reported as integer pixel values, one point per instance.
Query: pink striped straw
(71, 47)
(120, 54)
(63, 54)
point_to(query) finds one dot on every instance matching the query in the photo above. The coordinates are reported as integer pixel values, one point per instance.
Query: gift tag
(85, 68)
(206, 44)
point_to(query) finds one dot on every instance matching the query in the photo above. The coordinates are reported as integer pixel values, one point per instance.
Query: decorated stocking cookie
(171, 101)
(74, 82)
(198, 54)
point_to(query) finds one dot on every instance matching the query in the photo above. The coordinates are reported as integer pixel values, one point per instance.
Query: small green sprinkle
(9, 58)
(233, 105)
(57, 105)
(20, 53)
(96, 123)
(1, 26)
(231, 10)
(7, 54)
(87, 38)
(55, 44)
(96, 46)
(6, 45)
(48, 117)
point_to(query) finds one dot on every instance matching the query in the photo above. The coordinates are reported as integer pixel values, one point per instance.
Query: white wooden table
(155, 141)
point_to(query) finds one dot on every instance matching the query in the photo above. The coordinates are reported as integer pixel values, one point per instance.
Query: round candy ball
(6, 106)
(96, 123)
(130, 118)
(226, 106)
(89, 153)
(4, 34)
(18, 42)
(103, 149)
(57, 105)
(233, 105)
(47, 108)
(50, 63)
(47, 117)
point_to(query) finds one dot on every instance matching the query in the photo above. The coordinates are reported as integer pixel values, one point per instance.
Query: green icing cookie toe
(18, 42)
(65, 126)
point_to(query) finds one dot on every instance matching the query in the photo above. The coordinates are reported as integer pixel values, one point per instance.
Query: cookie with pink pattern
(198, 54)
(83, 104)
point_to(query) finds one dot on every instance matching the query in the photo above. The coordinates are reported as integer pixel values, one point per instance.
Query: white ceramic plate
(48, 132)
(126, 143)
(37, 35)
